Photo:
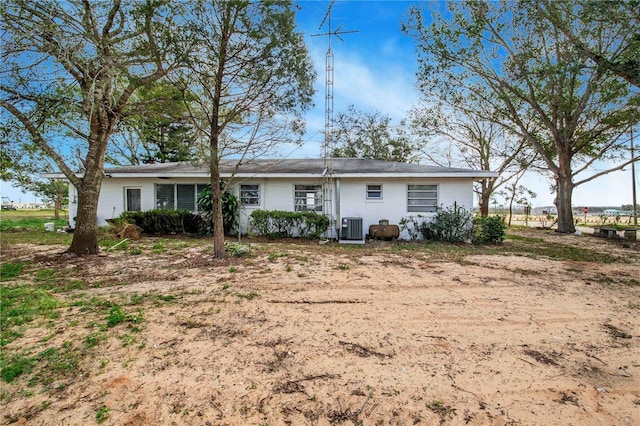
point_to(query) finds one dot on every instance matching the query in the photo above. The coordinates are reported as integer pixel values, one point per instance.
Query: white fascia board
(54, 176)
(467, 175)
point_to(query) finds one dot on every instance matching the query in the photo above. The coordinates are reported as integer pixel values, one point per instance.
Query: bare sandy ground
(375, 335)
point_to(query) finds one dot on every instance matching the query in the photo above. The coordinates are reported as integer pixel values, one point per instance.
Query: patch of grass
(56, 363)
(48, 366)
(103, 414)
(94, 339)
(14, 366)
(135, 251)
(16, 221)
(21, 304)
(524, 239)
(46, 277)
(117, 316)
(9, 270)
(38, 236)
(274, 256)
(158, 248)
(233, 269)
(633, 282)
(113, 244)
(564, 252)
(249, 296)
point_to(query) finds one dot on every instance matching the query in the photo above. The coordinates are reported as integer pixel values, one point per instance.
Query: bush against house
(453, 224)
(230, 211)
(284, 224)
(165, 222)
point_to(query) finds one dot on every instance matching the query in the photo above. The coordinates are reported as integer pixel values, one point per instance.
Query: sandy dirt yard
(309, 334)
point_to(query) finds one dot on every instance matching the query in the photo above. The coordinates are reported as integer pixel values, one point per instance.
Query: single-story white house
(342, 188)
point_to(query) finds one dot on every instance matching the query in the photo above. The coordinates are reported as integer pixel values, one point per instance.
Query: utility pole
(633, 183)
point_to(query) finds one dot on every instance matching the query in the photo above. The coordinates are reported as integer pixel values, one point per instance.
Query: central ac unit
(351, 229)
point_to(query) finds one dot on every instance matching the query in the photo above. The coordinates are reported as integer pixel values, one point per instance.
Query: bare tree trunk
(484, 202)
(564, 193)
(57, 203)
(85, 235)
(216, 204)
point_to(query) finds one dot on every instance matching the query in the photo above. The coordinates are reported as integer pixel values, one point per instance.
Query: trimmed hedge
(284, 224)
(165, 221)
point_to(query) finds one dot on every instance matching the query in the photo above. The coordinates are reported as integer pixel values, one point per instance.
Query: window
(250, 195)
(178, 197)
(308, 198)
(165, 197)
(374, 192)
(132, 200)
(186, 197)
(422, 198)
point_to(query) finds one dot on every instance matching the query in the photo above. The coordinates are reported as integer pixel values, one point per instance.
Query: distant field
(30, 219)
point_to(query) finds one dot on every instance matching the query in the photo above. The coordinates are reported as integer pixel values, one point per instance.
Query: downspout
(338, 222)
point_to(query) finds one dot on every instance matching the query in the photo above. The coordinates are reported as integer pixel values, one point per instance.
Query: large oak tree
(466, 132)
(70, 70)
(532, 73)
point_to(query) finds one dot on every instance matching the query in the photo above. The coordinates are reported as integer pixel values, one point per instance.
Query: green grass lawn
(28, 226)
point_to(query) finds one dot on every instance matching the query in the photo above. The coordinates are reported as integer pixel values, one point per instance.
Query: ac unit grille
(352, 228)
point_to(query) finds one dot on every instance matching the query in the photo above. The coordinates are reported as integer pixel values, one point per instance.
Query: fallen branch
(114, 246)
(363, 351)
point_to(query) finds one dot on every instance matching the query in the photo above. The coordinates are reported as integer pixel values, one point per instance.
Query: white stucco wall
(278, 194)
(393, 205)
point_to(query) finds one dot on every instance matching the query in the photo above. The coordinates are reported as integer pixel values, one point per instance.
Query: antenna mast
(328, 111)
(328, 98)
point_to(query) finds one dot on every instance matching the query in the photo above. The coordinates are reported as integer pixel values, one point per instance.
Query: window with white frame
(374, 192)
(165, 197)
(250, 195)
(422, 198)
(308, 198)
(178, 196)
(133, 200)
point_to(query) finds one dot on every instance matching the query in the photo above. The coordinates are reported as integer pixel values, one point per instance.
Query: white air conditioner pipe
(338, 221)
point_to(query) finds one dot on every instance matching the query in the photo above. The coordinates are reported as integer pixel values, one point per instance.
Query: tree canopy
(250, 79)
(70, 71)
(551, 93)
(360, 134)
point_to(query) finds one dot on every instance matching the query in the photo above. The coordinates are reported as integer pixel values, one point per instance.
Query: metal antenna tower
(328, 107)
(328, 97)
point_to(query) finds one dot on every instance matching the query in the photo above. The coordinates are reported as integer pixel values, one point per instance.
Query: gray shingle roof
(340, 167)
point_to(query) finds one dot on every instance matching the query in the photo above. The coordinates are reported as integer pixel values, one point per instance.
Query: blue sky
(375, 70)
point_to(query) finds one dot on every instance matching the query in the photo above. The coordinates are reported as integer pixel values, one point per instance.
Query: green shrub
(451, 224)
(285, 224)
(488, 230)
(165, 221)
(230, 206)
